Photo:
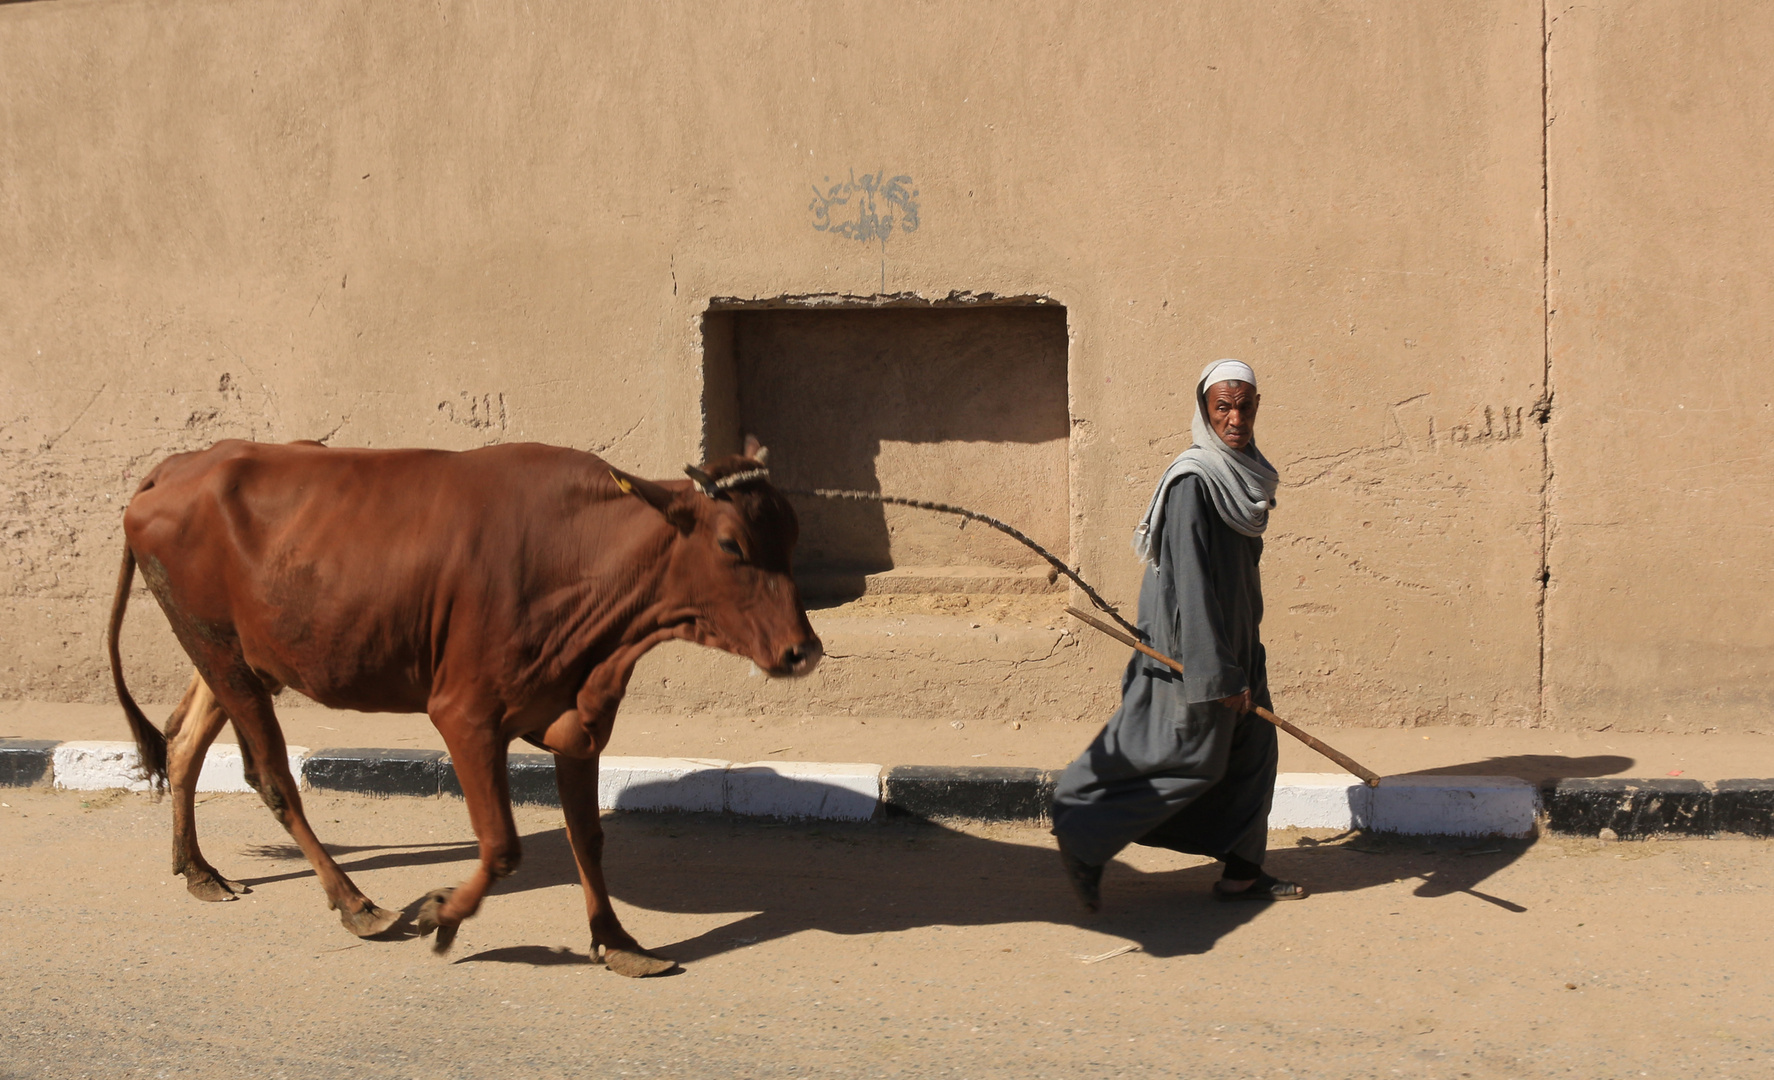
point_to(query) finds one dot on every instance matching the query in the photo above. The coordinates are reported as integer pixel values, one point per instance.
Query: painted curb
(373, 771)
(687, 785)
(1639, 808)
(103, 766)
(822, 790)
(1412, 805)
(967, 793)
(225, 770)
(1455, 806)
(26, 762)
(839, 791)
(827, 791)
(1320, 801)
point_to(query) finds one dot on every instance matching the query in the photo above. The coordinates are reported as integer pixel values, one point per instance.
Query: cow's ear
(756, 450)
(658, 496)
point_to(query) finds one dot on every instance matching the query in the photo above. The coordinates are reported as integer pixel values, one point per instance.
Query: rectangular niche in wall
(963, 405)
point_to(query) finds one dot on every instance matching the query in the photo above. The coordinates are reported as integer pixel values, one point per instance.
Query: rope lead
(960, 511)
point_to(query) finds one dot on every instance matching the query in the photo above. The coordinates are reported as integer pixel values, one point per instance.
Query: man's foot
(1086, 880)
(1265, 888)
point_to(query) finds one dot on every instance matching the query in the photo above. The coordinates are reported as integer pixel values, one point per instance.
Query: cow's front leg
(478, 752)
(577, 780)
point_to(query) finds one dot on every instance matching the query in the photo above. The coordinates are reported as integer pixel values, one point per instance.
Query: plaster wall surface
(1660, 611)
(459, 224)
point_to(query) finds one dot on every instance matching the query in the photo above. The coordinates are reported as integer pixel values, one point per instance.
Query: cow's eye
(731, 547)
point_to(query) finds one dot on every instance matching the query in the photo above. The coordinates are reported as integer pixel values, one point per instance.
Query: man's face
(1232, 410)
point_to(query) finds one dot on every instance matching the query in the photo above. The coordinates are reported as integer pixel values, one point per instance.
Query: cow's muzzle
(798, 660)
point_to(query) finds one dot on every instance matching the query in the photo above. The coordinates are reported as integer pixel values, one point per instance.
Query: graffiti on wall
(865, 207)
(484, 413)
(1501, 424)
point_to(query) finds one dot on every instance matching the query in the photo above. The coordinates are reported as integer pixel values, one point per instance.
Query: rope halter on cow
(714, 489)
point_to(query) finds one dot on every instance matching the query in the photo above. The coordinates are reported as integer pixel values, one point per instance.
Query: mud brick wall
(1504, 268)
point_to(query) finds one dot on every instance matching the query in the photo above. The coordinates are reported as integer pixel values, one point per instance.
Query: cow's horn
(703, 480)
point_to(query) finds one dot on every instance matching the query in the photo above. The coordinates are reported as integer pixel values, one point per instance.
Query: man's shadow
(905, 874)
(1536, 768)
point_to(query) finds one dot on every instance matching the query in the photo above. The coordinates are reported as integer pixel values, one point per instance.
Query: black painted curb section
(1744, 806)
(371, 771)
(26, 762)
(531, 777)
(972, 793)
(1639, 808)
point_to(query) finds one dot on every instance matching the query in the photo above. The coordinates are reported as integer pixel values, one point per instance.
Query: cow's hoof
(430, 905)
(446, 936)
(430, 918)
(636, 964)
(370, 921)
(213, 888)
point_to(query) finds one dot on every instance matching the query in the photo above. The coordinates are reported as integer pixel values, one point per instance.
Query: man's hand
(1239, 703)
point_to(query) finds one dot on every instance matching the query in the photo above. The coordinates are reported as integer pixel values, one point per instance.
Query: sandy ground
(873, 951)
(1529, 753)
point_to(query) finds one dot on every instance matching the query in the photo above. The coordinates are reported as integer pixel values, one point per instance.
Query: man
(1184, 763)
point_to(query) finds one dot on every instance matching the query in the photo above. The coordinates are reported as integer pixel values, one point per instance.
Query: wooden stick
(1368, 775)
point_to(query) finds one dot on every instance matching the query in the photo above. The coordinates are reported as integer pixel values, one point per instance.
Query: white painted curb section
(828, 791)
(1414, 805)
(224, 769)
(1455, 806)
(696, 785)
(1320, 801)
(101, 766)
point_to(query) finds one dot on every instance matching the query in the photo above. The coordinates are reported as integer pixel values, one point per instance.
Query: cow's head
(731, 576)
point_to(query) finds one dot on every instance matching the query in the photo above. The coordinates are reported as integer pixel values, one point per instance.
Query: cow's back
(341, 570)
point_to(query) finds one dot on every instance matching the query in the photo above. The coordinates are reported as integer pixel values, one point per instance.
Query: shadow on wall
(961, 405)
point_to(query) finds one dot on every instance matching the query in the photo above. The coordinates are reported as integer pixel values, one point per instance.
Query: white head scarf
(1241, 483)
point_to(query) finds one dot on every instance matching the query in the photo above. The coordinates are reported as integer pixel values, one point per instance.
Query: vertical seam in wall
(1545, 404)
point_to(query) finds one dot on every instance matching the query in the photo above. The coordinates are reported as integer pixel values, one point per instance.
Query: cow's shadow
(873, 878)
(904, 875)
(883, 879)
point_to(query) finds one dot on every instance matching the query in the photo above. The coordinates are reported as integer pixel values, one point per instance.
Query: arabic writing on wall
(865, 207)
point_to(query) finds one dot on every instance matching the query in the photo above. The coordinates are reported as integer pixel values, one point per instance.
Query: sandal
(1086, 880)
(1266, 887)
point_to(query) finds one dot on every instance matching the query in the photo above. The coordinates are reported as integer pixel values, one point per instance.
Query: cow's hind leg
(577, 780)
(246, 699)
(193, 726)
(478, 753)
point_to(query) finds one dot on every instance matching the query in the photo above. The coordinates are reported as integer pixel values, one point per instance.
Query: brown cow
(506, 591)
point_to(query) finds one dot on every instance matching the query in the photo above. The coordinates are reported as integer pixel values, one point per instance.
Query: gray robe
(1173, 767)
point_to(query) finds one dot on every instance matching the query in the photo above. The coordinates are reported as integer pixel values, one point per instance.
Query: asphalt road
(900, 950)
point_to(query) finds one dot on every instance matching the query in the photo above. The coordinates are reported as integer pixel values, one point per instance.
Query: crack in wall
(1353, 562)
(1542, 411)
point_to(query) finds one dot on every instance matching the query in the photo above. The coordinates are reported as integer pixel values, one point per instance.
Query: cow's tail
(150, 743)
